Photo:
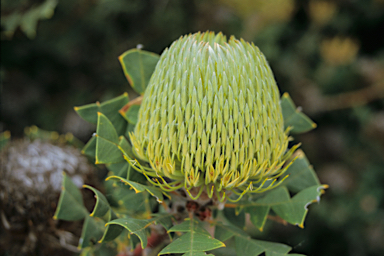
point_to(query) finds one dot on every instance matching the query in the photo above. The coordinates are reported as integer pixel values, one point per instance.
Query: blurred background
(329, 55)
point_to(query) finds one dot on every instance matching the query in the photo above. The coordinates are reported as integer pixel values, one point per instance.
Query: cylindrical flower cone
(211, 119)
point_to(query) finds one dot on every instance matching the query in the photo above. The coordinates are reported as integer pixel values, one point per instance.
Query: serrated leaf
(224, 233)
(163, 219)
(135, 226)
(101, 206)
(293, 117)
(93, 230)
(294, 209)
(90, 148)
(244, 245)
(119, 169)
(125, 147)
(258, 215)
(188, 226)
(196, 254)
(70, 205)
(112, 231)
(195, 240)
(154, 191)
(301, 174)
(234, 217)
(252, 247)
(89, 112)
(109, 108)
(107, 140)
(138, 66)
(125, 197)
(130, 113)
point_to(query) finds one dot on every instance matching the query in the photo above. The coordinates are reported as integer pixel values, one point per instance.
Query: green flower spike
(211, 120)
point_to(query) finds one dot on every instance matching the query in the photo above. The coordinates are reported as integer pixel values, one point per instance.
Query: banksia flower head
(211, 119)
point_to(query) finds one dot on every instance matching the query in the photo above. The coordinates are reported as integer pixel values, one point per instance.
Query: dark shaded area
(328, 55)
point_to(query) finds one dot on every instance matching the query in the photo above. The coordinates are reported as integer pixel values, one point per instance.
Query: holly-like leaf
(70, 206)
(102, 206)
(258, 215)
(130, 114)
(93, 230)
(196, 254)
(252, 247)
(293, 117)
(301, 174)
(90, 148)
(244, 245)
(119, 169)
(107, 140)
(138, 66)
(163, 219)
(195, 241)
(134, 226)
(112, 231)
(235, 217)
(154, 191)
(293, 210)
(109, 108)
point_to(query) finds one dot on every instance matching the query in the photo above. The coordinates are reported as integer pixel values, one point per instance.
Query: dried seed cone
(211, 118)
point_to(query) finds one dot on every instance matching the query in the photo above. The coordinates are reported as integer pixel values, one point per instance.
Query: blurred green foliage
(328, 54)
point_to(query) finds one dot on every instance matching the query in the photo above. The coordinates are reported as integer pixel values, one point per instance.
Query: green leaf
(4, 139)
(294, 209)
(258, 215)
(119, 169)
(107, 140)
(154, 191)
(112, 231)
(90, 148)
(223, 233)
(89, 112)
(101, 206)
(125, 147)
(109, 108)
(196, 254)
(244, 245)
(138, 66)
(29, 19)
(188, 226)
(93, 230)
(163, 219)
(135, 226)
(196, 240)
(235, 217)
(301, 174)
(70, 206)
(131, 114)
(252, 247)
(294, 117)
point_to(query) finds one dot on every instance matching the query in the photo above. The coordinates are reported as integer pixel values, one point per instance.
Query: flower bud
(212, 112)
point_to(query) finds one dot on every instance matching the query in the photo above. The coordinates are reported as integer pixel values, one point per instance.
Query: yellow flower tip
(211, 106)
(76, 108)
(301, 225)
